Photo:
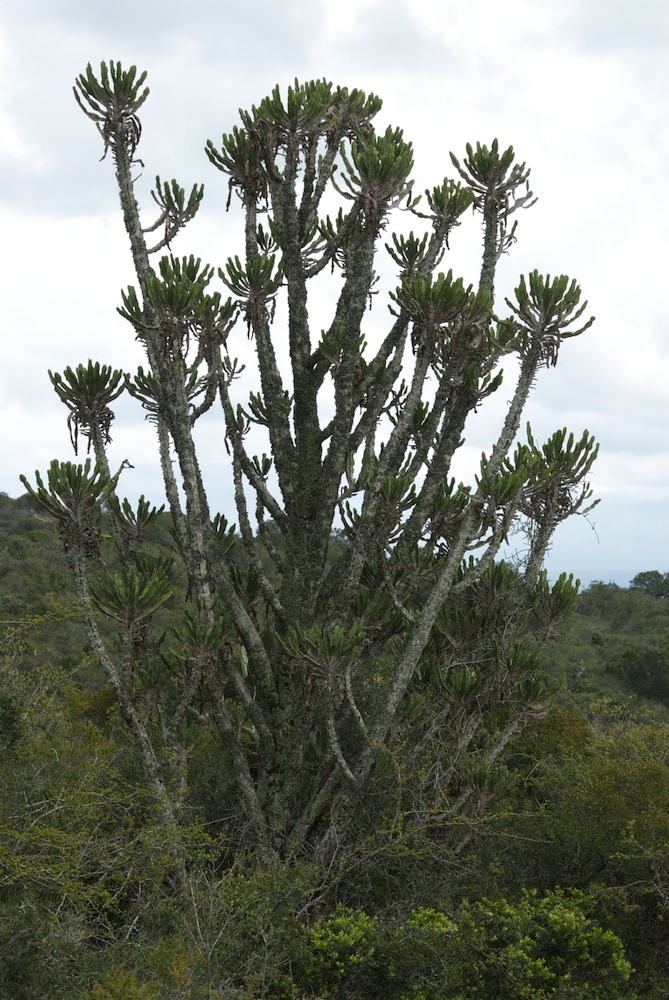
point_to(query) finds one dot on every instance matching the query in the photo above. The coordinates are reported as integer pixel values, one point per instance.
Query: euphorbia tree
(408, 653)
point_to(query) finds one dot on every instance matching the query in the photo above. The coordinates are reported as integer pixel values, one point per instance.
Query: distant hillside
(616, 645)
(34, 583)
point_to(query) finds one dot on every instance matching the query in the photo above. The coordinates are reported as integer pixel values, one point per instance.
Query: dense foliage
(568, 870)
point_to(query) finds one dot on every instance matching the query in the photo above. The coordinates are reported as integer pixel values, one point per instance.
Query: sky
(581, 91)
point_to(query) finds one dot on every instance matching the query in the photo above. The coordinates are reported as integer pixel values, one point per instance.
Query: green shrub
(119, 984)
(536, 948)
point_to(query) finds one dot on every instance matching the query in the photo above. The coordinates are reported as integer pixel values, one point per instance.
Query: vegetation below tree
(574, 847)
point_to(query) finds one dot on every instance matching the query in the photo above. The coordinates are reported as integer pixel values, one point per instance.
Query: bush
(536, 948)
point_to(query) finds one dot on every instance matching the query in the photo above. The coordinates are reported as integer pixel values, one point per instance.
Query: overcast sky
(581, 91)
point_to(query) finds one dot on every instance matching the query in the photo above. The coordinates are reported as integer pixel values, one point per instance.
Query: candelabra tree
(386, 680)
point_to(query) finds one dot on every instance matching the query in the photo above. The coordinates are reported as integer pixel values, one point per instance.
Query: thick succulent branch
(129, 713)
(238, 761)
(250, 543)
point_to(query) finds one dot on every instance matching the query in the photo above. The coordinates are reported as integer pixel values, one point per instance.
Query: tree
(380, 688)
(654, 583)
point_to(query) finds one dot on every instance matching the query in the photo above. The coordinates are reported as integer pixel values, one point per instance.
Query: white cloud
(10, 140)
